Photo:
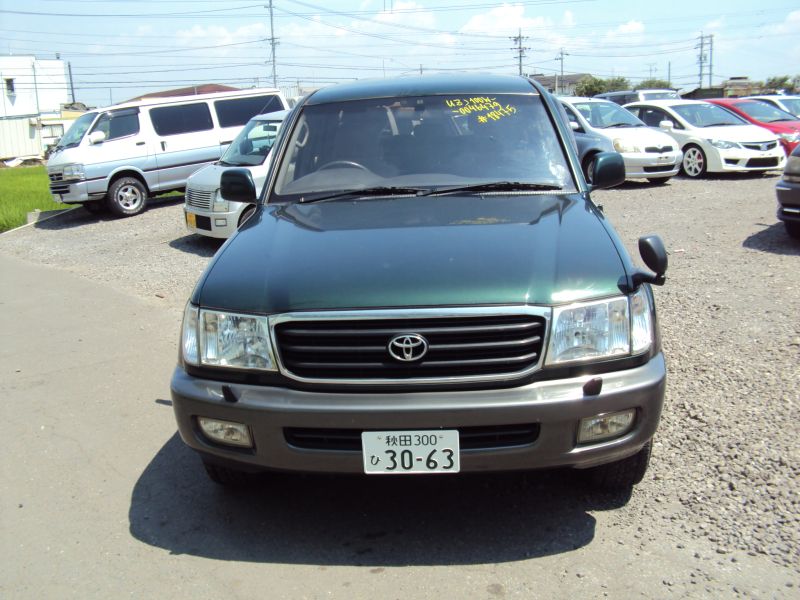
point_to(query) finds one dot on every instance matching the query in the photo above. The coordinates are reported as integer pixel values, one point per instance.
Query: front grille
(760, 146)
(762, 162)
(470, 438)
(459, 347)
(199, 198)
(57, 184)
(659, 168)
(658, 149)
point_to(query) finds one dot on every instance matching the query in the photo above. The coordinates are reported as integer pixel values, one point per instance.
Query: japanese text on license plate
(402, 452)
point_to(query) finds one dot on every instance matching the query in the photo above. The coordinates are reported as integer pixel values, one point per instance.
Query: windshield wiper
(493, 186)
(381, 190)
(722, 124)
(620, 125)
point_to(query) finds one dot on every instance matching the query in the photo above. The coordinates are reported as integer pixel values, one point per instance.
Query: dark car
(788, 190)
(425, 287)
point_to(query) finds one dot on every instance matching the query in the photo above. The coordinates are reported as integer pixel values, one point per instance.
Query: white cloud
(631, 27)
(568, 20)
(507, 19)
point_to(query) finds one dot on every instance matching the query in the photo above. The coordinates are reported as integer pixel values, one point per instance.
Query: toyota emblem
(408, 347)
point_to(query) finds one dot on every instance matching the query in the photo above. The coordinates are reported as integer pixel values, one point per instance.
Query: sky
(124, 48)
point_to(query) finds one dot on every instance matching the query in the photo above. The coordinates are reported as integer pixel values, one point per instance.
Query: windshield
(252, 145)
(763, 112)
(424, 142)
(665, 95)
(707, 115)
(76, 131)
(792, 105)
(606, 114)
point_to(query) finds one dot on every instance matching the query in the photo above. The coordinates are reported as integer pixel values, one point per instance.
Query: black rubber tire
(95, 207)
(227, 477)
(622, 474)
(793, 229)
(126, 197)
(588, 168)
(695, 163)
(658, 180)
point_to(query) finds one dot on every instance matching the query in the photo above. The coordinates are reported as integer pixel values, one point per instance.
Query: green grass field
(22, 190)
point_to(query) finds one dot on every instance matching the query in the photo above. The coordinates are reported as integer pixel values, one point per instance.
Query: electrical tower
(273, 41)
(706, 57)
(520, 48)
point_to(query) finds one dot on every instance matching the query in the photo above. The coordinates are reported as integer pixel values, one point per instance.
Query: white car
(790, 104)
(647, 153)
(712, 139)
(205, 210)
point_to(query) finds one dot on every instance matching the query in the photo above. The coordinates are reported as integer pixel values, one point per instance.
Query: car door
(124, 145)
(186, 140)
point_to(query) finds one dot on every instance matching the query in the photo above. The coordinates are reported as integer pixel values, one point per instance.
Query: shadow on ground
(773, 239)
(199, 245)
(358, 520)
(80, 216)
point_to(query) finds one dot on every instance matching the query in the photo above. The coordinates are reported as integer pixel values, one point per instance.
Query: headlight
(604, 329)
(74, 172)
(220, 204)
(621, 145)
(791, 137)
(221, 339)
(723, 144)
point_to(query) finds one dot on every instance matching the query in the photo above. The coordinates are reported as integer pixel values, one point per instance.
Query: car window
(603, 115)
(652, 117)
(252, 145)
(660, 95)
(764, 112)
(186, 118)
(573, 118)
(421, 141)
(238, 111)
(707, 115)
(119, 123)
(792, 105)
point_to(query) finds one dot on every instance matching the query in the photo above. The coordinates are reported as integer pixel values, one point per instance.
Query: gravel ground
(725, 464)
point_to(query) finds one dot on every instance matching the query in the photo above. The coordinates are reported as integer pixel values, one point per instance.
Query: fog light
(604, 427)
(220, 222)
(226, 432)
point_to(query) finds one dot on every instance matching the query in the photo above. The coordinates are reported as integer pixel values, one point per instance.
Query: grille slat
(199, 198)
(357, 350)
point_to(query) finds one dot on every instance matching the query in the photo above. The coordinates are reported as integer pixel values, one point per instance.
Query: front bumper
(652, 165)
(212, 224)
(555, 406)
(788, 201)
(742, 160)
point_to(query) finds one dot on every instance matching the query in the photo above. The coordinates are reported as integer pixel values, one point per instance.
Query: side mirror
(666, 125)
(237, 186)
(574, 126)
(654, 255)
(97, 137)
(608, 170)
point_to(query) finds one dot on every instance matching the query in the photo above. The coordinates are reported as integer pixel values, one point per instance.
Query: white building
(31, 89)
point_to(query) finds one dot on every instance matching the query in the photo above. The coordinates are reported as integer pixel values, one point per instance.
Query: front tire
(127, 196)
(694, 163)
(622, 474)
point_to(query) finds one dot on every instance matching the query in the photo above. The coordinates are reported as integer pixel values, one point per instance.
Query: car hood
(415, 252)
(737, 133)
(642, 136)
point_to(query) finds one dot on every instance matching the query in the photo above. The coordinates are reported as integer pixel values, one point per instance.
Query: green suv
(425, 287)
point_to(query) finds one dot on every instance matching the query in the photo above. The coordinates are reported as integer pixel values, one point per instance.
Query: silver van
(119, 156)
(624, 97)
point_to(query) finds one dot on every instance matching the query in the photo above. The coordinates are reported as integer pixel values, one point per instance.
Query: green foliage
(783, 82)
(653, 84)
(590, 86)
(22, 190)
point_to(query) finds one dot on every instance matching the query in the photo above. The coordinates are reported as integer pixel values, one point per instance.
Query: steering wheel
(343, 163)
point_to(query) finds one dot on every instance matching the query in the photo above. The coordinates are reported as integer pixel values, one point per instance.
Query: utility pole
(710, 57)
(704, 58)
(71, 85)
(273, 42)
(560, 57)
(520, 49)
(701, 59)
(669, 73)
(651, 67)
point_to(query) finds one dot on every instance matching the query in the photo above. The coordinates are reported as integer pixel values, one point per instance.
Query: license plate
(191, 220)
(403, 452)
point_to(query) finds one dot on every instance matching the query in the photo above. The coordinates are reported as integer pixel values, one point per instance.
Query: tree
(654, 84)
(615, 84)
(589, 86)
(783, 82)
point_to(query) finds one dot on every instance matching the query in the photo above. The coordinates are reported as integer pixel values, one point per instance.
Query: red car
(783, 124)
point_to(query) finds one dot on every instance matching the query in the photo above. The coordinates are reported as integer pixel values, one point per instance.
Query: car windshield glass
(707, 115)
(76, 131)
(668, 95)
(252, 145)
(602, 115)
(766, 113)
(421, 142)
(792, 105)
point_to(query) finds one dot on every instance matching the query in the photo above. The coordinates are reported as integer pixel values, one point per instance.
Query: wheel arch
(128, 172)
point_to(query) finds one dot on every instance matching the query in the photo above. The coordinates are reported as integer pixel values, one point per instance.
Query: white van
(205, 211)
(118, 156)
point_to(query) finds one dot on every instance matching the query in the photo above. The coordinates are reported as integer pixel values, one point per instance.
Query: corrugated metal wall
(19, 138)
